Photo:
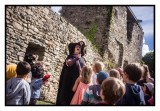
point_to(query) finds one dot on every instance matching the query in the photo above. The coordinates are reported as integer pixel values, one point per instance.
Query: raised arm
(70, 62)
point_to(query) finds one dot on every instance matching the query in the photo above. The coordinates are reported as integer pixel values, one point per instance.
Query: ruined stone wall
(118, 35)
(38, 29)
(134, 48)
(89, 19)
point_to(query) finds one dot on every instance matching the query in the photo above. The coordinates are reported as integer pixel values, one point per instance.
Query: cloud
(148, 29)
(56, 9)
(145, 48)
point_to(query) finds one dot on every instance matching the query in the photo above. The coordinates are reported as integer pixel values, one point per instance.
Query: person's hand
(79, 56)
(46, 77)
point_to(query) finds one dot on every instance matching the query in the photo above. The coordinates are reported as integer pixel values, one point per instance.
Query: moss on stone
(110, 64)
(91, 35)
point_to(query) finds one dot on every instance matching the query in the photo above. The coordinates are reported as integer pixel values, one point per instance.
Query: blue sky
(146, 14)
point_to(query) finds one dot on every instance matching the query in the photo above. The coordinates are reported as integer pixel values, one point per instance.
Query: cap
(150, 86)
(102, 75)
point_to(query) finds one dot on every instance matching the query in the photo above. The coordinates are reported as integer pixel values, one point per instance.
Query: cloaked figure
(70, 72)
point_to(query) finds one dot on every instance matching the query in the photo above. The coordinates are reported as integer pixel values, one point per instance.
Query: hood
(36, 83)
(137, 93)
(96, 91)
(14, 85)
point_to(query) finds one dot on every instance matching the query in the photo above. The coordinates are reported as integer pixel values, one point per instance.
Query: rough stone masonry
(118, 34)
(40, 30)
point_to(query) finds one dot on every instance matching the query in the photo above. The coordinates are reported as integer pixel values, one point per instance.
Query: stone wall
(119, 35)
(40, 30)
(87, 18)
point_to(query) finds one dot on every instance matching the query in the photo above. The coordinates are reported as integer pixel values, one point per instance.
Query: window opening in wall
(36, 49)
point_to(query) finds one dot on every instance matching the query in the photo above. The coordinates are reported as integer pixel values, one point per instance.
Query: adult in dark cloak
(70, 72)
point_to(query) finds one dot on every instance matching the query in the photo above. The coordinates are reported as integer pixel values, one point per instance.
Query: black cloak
(69, 75)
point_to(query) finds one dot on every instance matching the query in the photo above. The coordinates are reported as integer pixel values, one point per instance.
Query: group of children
(24, 81)
(131, 86)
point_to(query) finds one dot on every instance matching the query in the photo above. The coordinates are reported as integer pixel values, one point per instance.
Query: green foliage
(148, 59)
(110, 64)
(91, 35)
(111, 14)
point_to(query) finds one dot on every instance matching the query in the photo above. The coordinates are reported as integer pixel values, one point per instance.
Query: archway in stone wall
(36, 49)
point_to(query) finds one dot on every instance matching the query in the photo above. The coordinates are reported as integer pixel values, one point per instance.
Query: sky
(146, 14)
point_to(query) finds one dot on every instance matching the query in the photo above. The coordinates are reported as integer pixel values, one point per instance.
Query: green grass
(39, 102)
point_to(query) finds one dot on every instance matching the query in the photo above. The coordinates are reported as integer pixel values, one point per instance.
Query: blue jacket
(36, 85)
(17, 92)
(133, 96)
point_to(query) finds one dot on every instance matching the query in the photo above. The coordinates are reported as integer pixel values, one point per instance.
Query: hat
(72, 46)
(102, 75)
(150, 86)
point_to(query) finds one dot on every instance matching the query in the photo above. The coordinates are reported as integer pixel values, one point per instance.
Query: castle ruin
(112, 34)
(114, 30)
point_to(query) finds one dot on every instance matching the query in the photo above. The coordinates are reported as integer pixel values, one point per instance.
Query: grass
(39, 102)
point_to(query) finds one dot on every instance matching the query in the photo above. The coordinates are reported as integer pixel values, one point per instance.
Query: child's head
(101, 76)
(37, 70)
(86, 74)
(120, 70)
(30, 58)
(148, 88)
(23, 68)
(132, 72)
(112, 89)
(146, 73)
(11, 71)
(114, 73)
(98, 66)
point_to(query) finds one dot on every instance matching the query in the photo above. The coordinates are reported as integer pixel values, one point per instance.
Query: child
(31, 59)
(151, 101)
(97, 67)
(114, 73)
(120, 70)
(134, 94)
(145, 76)
(92, 94)
(112, 89)
(81, 84)
(18, 90)
(38, 79)
(148, 91)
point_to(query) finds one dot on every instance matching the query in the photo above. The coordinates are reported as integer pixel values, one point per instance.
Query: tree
(148, 59)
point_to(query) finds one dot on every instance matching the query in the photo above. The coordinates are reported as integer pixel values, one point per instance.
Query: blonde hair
(114, 73)
(146, 73)
(112, 89)
(99, 66)
(86, 74)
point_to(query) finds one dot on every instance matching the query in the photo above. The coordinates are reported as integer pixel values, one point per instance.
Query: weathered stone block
(18, 26)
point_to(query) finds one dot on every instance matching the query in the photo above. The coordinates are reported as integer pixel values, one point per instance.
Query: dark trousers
(33, 101)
